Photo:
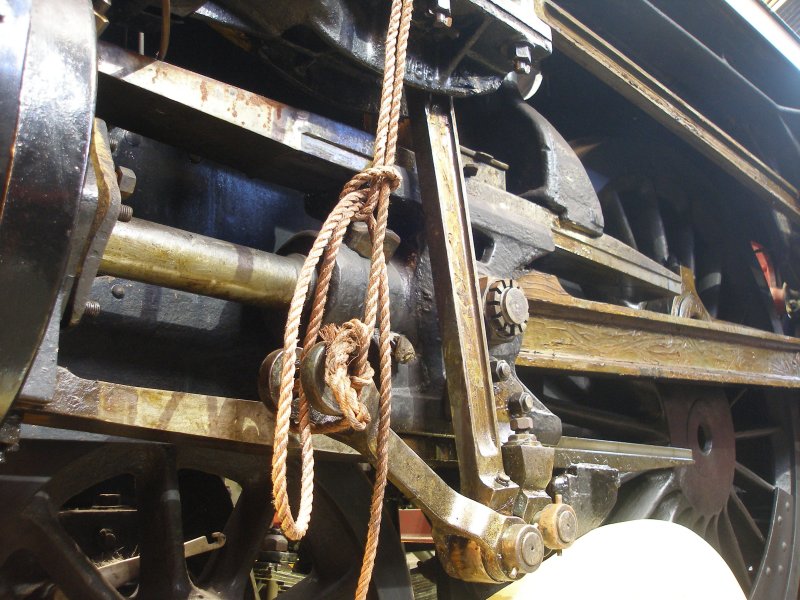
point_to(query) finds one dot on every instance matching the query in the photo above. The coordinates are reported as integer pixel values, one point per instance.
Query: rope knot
(343, 343)
(362, 190)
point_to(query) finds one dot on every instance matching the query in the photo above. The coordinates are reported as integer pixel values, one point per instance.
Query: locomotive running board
(573, 335)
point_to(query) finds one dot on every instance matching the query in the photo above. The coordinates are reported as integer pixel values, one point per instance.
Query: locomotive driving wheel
(740, 493)
(62, 535)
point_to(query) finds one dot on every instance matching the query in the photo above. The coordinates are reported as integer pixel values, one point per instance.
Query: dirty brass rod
(152, 253)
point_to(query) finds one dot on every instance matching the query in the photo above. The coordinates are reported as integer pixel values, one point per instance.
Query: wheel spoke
(738, 396)
(645, 495)
(675, 508)
(732, 551)
(60, 556)
(163, 567)
(654, 222)
(753, 434)
(754, 478)
(604, 421)
(748, 519)
(227, 571)
(615, 214)
(711, 533)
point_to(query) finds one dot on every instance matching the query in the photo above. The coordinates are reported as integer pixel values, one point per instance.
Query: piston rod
(152, 253)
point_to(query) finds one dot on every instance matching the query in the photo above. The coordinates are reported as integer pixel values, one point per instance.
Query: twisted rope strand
(364, 198)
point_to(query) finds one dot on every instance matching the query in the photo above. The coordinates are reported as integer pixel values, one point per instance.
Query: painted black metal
(42, 188)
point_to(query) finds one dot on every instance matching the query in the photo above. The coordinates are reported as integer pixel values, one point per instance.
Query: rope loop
(347, 371)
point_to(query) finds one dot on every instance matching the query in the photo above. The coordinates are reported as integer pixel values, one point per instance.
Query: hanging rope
(364, 198)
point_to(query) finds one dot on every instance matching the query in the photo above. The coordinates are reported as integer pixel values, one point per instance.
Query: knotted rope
(364, 198)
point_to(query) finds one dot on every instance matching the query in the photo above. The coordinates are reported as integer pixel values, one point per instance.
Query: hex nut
(521, 423)
(521, 549)
(275, 541)
(559, 525)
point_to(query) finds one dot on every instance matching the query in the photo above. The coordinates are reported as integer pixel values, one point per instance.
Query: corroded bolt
(503, 479)
(520, 404)
(521, 549)
(125, 213)
(92, 308)
(558, 524)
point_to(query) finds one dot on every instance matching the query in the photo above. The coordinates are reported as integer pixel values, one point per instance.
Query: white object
(636, 560)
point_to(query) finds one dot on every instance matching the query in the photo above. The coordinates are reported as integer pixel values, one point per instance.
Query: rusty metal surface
(623, 74)
(574, 335)
(460, 310)
(262, 137)
(145, 251)
(130, 411)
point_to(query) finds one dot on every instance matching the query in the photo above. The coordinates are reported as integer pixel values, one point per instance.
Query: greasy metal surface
(153, 253)
(460, 311)
(43, 183)
(262, 137)
(626, 77)
(622, 456)
(124, 410)
(571, 334)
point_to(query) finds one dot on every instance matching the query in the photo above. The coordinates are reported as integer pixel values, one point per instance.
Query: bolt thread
(92, 308)
(125, 213)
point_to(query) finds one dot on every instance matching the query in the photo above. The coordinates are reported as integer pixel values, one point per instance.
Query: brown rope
(364, 198)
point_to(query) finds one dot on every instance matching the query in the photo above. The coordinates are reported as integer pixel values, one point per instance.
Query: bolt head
(502, 370)
(126, 179)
